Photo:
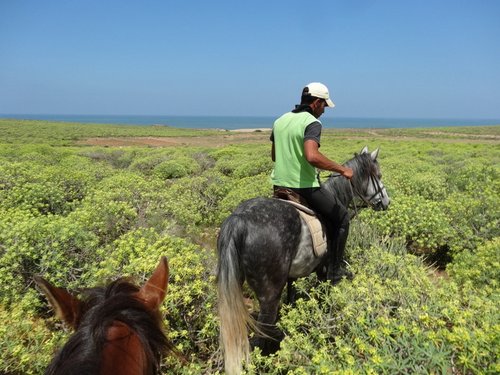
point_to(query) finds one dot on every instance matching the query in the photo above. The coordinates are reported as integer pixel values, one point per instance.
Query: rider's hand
(347, 173)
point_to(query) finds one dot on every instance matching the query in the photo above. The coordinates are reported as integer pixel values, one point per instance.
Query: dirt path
(203, 141)
(262, 136)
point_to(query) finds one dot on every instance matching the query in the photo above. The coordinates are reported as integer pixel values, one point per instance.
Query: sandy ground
(261, 135)
(236, 137)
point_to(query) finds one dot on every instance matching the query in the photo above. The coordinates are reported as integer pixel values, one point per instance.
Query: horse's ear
(66, 306)
(364, 150)
(154, 290)
(374, 154)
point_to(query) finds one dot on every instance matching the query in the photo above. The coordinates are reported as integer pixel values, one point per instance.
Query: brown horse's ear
(66, 306)
(154, 290)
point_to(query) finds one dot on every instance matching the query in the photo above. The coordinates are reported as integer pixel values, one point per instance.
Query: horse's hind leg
(268, 315)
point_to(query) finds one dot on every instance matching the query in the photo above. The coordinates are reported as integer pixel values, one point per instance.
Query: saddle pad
(315, 228)
(317, 233)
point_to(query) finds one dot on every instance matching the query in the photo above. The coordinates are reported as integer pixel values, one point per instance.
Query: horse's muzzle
(382, 204)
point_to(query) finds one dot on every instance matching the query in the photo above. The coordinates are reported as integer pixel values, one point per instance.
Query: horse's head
(370, 187)
(70, 309)
(120, 325)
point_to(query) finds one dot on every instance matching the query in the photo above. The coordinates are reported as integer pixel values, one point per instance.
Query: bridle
(374, 200)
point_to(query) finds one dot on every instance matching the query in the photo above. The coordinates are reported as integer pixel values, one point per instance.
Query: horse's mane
(101, 307)
(362, 165)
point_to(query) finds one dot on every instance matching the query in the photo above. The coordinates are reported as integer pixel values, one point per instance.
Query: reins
(353, 201)
(358, 194)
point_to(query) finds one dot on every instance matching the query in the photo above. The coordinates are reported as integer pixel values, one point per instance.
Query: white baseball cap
(318, 90)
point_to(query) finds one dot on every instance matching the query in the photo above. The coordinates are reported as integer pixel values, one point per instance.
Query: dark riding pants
(334, 214)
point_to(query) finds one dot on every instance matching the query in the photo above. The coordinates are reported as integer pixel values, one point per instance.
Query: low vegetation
(425, 298)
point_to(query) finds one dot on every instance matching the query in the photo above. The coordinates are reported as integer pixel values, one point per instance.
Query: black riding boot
(336, 267)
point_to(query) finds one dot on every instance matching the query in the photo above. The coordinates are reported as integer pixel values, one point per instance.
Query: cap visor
(330, 103)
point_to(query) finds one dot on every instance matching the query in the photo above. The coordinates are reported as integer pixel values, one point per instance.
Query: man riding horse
(295, 152)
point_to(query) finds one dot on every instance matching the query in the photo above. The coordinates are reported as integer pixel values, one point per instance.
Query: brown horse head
(118, 328)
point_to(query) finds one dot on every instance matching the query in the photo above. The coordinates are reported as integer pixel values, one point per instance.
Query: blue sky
(416, 59)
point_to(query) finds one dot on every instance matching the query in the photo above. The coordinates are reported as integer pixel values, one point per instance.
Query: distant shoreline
(252, 123)
(251, 130)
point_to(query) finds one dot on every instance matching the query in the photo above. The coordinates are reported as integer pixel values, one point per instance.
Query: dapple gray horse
(265, 242)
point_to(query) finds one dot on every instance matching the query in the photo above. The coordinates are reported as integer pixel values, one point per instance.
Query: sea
(254, 122)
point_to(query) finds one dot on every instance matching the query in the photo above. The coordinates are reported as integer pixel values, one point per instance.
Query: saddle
(314, 224)
(289, 195)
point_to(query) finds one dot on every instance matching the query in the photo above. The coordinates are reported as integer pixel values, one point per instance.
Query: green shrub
(145, 164)
(123, 201)
(480, 268)
(243, 189)
(473, 176)
(194, 201)
(176, 168)
(55, 189)
(422, 223)
(427, 184)
(243, 162)
(106, 219)
(48, 245)
(26, 344)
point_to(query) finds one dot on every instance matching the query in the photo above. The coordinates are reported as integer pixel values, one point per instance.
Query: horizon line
(5, 116)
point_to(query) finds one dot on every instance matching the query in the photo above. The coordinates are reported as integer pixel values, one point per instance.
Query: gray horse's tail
(233, 314)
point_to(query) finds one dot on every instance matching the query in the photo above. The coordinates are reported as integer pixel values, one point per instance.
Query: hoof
(268, 345)
(340, 273)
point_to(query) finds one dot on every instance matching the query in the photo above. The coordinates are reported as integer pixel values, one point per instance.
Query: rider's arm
(317, 159)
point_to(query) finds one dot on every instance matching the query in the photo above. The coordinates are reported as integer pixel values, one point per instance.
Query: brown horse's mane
(102, 307)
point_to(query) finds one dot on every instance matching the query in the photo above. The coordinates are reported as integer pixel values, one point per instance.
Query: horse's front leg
(336, 270)
(322, 269)
(291, 292)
